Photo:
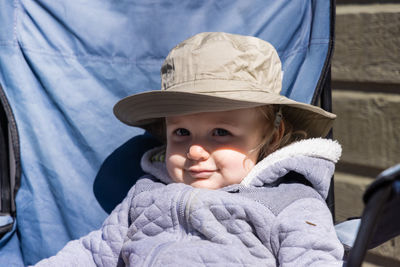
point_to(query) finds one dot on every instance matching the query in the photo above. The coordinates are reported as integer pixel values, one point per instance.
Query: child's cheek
(175, 167)
(234, 166)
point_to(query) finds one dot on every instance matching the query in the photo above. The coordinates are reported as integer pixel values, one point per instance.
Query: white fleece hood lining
(327, 149)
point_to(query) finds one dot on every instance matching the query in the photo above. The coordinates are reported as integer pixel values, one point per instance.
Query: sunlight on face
(215, 149)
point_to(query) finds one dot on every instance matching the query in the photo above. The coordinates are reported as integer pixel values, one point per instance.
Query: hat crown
(222, 57)
(212, 72)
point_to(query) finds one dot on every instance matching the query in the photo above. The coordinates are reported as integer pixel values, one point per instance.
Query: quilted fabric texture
(260, 222)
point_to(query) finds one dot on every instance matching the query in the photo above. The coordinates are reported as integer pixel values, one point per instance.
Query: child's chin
(206, 184)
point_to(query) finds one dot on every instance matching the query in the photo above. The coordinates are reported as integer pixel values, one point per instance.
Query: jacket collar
(313, 158)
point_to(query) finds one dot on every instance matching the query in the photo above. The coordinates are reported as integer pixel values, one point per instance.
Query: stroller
(66, 161)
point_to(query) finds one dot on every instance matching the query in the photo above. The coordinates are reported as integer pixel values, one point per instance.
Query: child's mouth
(201, 174)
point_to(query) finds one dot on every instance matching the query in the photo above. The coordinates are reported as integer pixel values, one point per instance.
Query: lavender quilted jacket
(267, 220)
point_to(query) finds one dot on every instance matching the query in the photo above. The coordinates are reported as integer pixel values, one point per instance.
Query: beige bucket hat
(218, 71)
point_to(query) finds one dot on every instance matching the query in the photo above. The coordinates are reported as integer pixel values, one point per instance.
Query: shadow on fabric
(120, 170)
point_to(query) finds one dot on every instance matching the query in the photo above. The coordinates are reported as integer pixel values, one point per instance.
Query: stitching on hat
(214, 79)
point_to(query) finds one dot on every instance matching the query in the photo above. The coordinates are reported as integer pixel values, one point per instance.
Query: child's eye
(221, 132)
(181, 132)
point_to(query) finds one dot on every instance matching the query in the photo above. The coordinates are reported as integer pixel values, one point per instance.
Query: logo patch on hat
(167, 73)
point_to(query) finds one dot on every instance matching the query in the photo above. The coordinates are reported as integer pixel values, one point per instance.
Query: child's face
(213, 150)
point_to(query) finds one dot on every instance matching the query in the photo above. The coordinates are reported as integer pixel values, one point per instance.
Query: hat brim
(146, 108)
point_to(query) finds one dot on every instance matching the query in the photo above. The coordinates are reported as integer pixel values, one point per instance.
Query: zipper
(181, 208)
(181, 211)
(184, 211)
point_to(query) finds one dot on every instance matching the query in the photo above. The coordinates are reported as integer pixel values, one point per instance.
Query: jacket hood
(313, 158)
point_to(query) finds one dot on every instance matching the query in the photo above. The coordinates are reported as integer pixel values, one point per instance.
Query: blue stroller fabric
(64, 64)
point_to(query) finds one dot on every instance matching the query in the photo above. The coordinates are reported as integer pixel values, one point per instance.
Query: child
(226, 128)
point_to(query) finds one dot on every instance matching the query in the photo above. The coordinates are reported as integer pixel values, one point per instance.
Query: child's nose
(197, 152)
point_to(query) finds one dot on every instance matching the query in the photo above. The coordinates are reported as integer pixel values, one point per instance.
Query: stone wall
(366, 98)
